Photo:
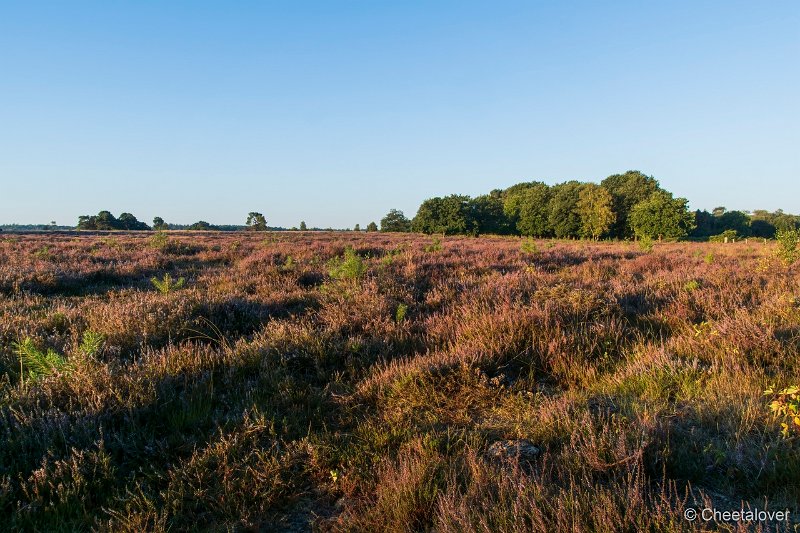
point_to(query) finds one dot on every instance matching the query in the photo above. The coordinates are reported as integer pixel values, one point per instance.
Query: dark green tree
(256, 221)
(785, 222)
(357, 227)
(721, 220)
(662, 216)
(451, 215)
(372, 227)
(127, 221)
(487, 211)
(202, 225)
(104, 220)
(627, 190)
(563, 218)
(303, 225)
(159, 224)
(395, 222)
(527, 206)
(87, 222)
(737, 221)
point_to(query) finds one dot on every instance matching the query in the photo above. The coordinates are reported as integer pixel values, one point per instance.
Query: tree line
(622, 206)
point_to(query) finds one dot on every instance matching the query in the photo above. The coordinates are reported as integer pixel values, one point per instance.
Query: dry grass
(281, 389)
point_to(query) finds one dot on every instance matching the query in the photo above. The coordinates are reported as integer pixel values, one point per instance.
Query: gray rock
(520, 449)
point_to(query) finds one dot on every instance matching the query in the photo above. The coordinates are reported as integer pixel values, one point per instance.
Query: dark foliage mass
(104, 220)
(638, 207)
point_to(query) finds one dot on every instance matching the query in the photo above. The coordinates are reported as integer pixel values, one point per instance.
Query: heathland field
(392, 382)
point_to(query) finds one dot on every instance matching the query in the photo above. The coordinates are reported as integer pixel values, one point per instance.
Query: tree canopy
(627, 190)
(395, 222)
(104, 220)
(527, 207)
(202, 225)
(662, 216)
(564, 219)
(450, 215)
(256, 221)
(595, 210)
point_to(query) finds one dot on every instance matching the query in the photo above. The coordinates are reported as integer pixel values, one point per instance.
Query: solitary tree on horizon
(256, 221)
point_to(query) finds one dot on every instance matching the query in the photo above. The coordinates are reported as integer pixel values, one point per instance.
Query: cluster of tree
(104, 220)
(621, 206)
(759, 223)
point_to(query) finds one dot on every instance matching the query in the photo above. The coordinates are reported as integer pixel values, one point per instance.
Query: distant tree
(104, 220)
(303, 225)
(763, 229)
(563, 218)
(720, 221)
(256, 222)
(627, 190)
(395, 222)
(784, 222)
(357, 227)
(451, 215)
(129, 222)
(594, 209)
(159, 224)
(737, 221)
(527, 205)
(202, 225)
(372, 227)
(661, 215)
(705, 224)
(488, 214)
(87, 222)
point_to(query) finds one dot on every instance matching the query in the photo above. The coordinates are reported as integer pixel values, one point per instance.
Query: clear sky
(333, 112)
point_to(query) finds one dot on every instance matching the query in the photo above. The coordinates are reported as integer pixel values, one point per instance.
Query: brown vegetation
(291, 384)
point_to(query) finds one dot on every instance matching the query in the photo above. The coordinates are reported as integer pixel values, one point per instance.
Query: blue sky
(334, 112)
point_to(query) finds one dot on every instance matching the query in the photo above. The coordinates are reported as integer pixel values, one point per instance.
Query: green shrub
(349, 267)
(787, 245)
(91, 343)
(400, 313)
(159, 240)
(646, 244)
(288, 264)
(167, 284)
(727, 235)
(38, 363)
(529, 247)
(785, 406)
(435, 246)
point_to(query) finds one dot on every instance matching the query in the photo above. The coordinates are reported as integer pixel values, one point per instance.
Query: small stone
(521, 449)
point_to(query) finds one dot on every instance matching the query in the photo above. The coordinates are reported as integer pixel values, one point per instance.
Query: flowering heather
(358, 382)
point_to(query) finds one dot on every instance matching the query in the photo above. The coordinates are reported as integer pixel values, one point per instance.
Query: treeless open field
(472, 384)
